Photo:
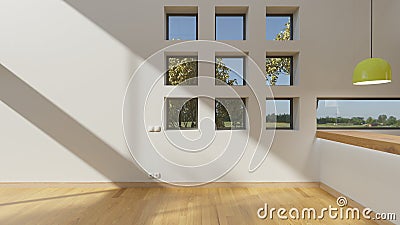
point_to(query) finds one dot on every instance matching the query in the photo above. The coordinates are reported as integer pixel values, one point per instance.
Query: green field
(350, 125)
(278, 125)
(330, 125)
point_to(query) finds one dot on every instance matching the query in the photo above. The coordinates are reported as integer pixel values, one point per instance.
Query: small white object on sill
(154, 128)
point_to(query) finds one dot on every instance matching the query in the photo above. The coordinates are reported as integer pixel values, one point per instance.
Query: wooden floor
(162, 206)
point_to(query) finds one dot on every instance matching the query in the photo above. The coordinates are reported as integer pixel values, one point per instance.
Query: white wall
(367, 176)
(80, 55)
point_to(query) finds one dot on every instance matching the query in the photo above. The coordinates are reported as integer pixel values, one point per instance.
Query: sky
(182, 28)
(236, 67)
(227, 28)
(358, 108)
(282, 106)
(274, 25)
(344, 108)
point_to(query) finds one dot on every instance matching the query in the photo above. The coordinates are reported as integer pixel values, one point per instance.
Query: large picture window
(358, 113)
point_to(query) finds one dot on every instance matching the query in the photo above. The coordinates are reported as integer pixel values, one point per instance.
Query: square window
(181, 70)
(279, 70)
(181, 26)
(181, 113)
(279, 113)
(229, 70)
(279, 27)
(230, 27)
(230, 113)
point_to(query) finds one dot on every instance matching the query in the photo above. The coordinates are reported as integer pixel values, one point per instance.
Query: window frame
(181, 14)
(291, 68)
(290, 111)
(354, 128)
(244, 115)
(232, 57)
(243, 15)
(167, 99)
(166, 75)
(280, 15)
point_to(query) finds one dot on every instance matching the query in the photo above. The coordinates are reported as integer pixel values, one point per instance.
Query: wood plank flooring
(164, 206)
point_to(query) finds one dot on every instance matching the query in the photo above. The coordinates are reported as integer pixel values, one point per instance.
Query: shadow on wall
(45, 115)
(115, 18)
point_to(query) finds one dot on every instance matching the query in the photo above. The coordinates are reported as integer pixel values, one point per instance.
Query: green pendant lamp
(372, 70)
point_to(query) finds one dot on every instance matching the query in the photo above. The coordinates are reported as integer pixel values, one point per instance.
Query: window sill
(380, 142)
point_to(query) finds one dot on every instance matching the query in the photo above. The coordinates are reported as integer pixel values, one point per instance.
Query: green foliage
(275, 66)
(370, 120)
(229, 113)
(391, 121)
(284, 35)
(222, 72)
(182, 113)
(182, 70)
(280, 118)
(382, 121)
(357, 120)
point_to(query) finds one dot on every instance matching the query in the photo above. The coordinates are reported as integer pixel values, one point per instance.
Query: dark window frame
(243, 15)
(182, 14)
(290, 111)
(219, 83)
(166, 75)
(291, 68)
(281, 15)
(244, 115)
(354, 128)
(166, 100)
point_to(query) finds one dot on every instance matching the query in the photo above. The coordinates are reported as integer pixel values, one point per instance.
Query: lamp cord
(371, 29)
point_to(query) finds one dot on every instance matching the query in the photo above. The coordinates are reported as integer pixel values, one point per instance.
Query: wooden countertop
(380, 142)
